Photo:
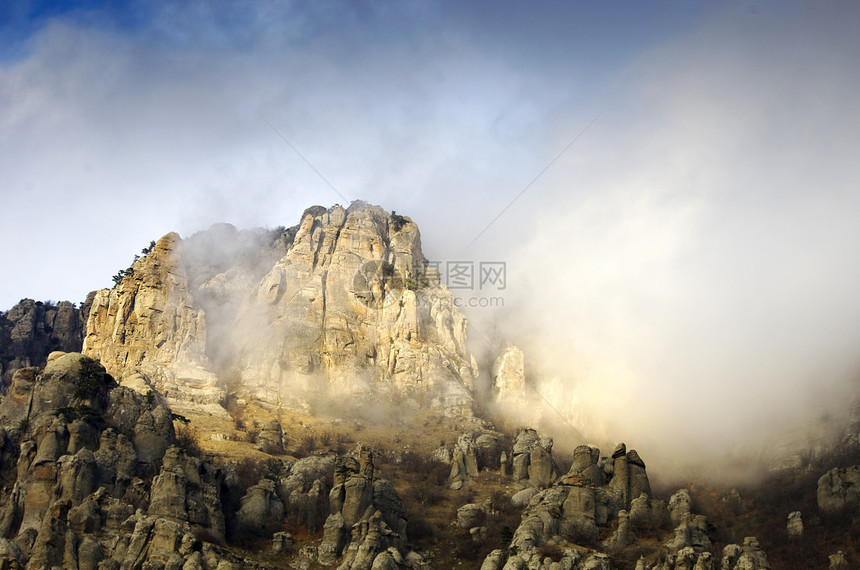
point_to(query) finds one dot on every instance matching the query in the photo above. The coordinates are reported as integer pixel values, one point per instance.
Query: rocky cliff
(341, 304)
(149, 324)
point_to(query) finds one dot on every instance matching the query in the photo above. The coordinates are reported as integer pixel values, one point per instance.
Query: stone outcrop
(794, 526)
(271, 438)
(31, 330)
(509, 376)
(532, 459)
(748, 556)
(149, 324)
(839, 488)
(470, 515)
(591, 496)
(838, 561)
(261, 508)
(367, 525)
(464, 462)
(189, 490)
(353, 309)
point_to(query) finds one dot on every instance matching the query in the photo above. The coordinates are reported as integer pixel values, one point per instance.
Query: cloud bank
(691, 281)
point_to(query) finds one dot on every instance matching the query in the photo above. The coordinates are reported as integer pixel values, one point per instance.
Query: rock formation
(748, 556)
(794, 526)
(509, 376)
(339, 311)
(341, 304)
(464, 462)
(838, 488)
(354, 312)
(148, 324)
(367, 525)
(578, 504)
(31, 330)
(532, 459)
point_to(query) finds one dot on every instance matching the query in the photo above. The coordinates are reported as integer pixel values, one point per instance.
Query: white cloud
(702, 287)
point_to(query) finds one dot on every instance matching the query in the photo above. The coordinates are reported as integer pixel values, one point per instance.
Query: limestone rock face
(352, 312)
(341, 304)
(150, 324)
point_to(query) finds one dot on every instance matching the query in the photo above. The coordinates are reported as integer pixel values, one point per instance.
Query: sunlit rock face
(351, 310)
(340, 305)
(150, 324)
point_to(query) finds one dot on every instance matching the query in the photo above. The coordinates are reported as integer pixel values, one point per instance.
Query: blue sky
(708, 212)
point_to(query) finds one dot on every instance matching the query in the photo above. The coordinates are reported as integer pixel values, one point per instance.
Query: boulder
(271, 438)
(839, 488)
(470, 515)
(261, 509)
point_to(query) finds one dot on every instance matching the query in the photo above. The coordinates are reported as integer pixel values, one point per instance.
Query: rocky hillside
(97, 475)
(304, 398)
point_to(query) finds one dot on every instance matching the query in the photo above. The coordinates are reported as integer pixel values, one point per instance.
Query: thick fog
(683, 276)
(703, 301)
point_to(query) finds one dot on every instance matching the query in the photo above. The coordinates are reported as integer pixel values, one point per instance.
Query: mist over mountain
(279, 347)
(637, 224)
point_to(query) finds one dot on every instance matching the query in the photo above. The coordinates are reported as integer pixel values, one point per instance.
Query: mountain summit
(341, 305)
